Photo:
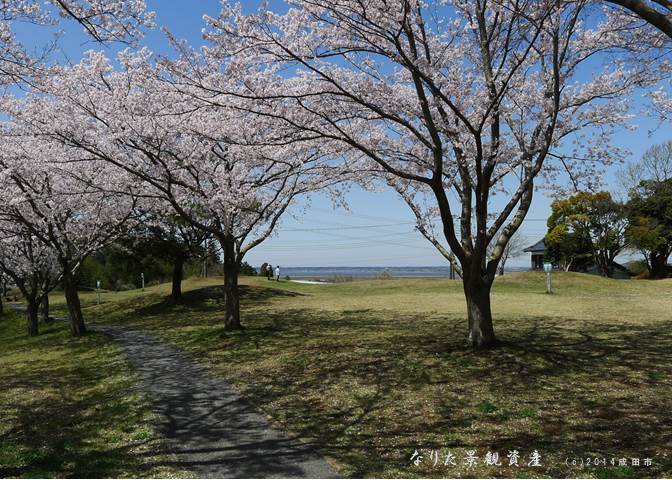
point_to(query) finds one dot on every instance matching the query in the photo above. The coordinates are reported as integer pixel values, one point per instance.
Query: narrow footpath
(210, 428)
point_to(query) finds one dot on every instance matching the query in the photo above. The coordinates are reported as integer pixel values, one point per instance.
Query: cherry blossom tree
(639, 32)
(103, 20)
(55, 195)
(230, 174)
(657, 13)
(453, 104)
(30, 265)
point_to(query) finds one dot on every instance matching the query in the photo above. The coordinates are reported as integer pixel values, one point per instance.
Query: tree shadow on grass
(372, 386)
(73, 411)
(211, 299)
(46, 441)
(369, 387)
(208, 427)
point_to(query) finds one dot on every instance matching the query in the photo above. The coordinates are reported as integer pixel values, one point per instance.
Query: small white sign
(548, 267)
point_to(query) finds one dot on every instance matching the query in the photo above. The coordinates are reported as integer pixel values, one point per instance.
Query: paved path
(209, 427)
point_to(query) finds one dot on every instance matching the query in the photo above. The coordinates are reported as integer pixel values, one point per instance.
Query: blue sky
(378, 228)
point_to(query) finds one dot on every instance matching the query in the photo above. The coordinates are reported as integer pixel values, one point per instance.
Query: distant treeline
(588, 230)
(122, 265)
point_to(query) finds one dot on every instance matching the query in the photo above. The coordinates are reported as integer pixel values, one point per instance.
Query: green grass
(70, 407)
(486, 407)
(374, 370)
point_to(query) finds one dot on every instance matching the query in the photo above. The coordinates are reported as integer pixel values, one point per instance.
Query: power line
(341, 242)
(345, 227)
(356, 227)
(350, 242)
(338, 241)
(386, 219)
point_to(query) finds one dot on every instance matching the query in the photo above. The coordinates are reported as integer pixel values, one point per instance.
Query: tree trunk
(609, 271)
(481, 331)
(32, 312)
(178, 273)
(231, 292)
(602, 264)
(658, 267)
(568, 265)
(231, 298)
(77, 325)
(3, 292)
(44, 308)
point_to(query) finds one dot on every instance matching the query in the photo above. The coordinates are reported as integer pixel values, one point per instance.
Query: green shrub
(247, 269)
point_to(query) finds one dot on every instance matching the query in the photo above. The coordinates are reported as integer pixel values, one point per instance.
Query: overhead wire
(341, 242)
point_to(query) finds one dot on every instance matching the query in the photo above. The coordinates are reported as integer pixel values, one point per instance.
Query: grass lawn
(375, 370)
(69, 407)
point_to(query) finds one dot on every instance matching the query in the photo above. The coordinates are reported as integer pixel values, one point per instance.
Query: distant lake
(372, 272)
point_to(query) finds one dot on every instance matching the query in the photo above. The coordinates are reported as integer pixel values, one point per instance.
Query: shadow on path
(209, 427)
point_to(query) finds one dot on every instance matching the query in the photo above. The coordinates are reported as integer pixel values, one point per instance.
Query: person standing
(269, 271)
(277, 273)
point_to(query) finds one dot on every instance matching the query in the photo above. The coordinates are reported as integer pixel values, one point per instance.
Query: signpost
(547, 268)
(142, 278)
(98, 290)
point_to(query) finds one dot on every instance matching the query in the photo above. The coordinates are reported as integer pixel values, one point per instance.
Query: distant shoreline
(326, 273)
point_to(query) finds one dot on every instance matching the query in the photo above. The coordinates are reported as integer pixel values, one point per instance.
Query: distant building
(538, 250)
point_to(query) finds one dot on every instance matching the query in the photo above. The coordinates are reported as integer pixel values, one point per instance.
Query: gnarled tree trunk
(231, 292)
(3, 292)
(32, 313)
(477, 292)
(77, 325)
(178, 273)
(658, 266)
(44, 308)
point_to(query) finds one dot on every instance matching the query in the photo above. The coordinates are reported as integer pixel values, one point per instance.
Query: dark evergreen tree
(650, 230)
